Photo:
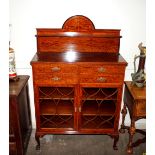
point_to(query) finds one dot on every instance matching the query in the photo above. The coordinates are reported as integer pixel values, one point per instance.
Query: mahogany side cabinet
(78, 76)
(19, 116)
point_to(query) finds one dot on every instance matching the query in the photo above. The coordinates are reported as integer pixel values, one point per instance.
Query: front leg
(116, 138)
(37, 137)
(132, 130)
(124, 112)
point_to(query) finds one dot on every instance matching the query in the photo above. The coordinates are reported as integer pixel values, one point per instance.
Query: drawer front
(102, 69)
(141, 108)
(72, 74)
(55, 79)
(54, 68)
(86, 78)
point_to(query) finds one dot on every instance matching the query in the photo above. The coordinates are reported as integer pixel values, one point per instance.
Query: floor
(83, 145)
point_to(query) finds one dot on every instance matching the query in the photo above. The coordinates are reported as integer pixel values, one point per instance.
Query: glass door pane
(98, 106)
(56, 107)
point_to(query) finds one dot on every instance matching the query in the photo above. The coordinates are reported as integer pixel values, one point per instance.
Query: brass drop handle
(56, 78)
(55, 69)
(101, 79)
(101, 69)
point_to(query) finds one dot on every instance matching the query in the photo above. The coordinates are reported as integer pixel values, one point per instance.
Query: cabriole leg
(124, 112)
(37, 137)
(116, 138)
(132, 130)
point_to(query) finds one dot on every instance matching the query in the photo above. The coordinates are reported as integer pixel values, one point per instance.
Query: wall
(27, 15)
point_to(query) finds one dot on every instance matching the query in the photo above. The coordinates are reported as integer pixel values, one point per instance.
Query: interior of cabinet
(56, 107)
(98, 107)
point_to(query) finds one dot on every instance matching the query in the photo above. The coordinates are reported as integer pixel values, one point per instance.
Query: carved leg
(132, 130)
(116, 138)
(124, 112)
(38, 142)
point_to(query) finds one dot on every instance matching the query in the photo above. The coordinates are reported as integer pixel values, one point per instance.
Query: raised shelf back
(78, 34)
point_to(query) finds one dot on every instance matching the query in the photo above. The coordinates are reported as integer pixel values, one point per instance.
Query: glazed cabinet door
(55, 107)
(97, 108)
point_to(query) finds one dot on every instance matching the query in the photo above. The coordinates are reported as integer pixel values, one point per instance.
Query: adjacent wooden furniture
(19, 116)
(78, 76)
(135, 101)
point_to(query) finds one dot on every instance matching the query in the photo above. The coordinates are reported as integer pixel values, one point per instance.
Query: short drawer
(56, 79)
(141, 108)
(54, 68)
(98, 69)
(86, 78)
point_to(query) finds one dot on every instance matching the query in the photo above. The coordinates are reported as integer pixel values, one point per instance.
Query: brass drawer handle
(101, 79)
(101, 69)
(56, 78)
(55, 69)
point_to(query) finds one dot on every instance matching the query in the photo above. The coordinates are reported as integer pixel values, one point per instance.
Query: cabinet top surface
(78, 58)
(136, 92)
(15, 87)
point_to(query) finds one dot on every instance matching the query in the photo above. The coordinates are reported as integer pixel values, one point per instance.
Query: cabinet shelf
(100, 93)
(55, 121)
(97, 122)
(64, 93)
(102, 108)
(58, 107)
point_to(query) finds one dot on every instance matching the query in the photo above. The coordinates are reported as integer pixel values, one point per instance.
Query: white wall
(27, 15)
